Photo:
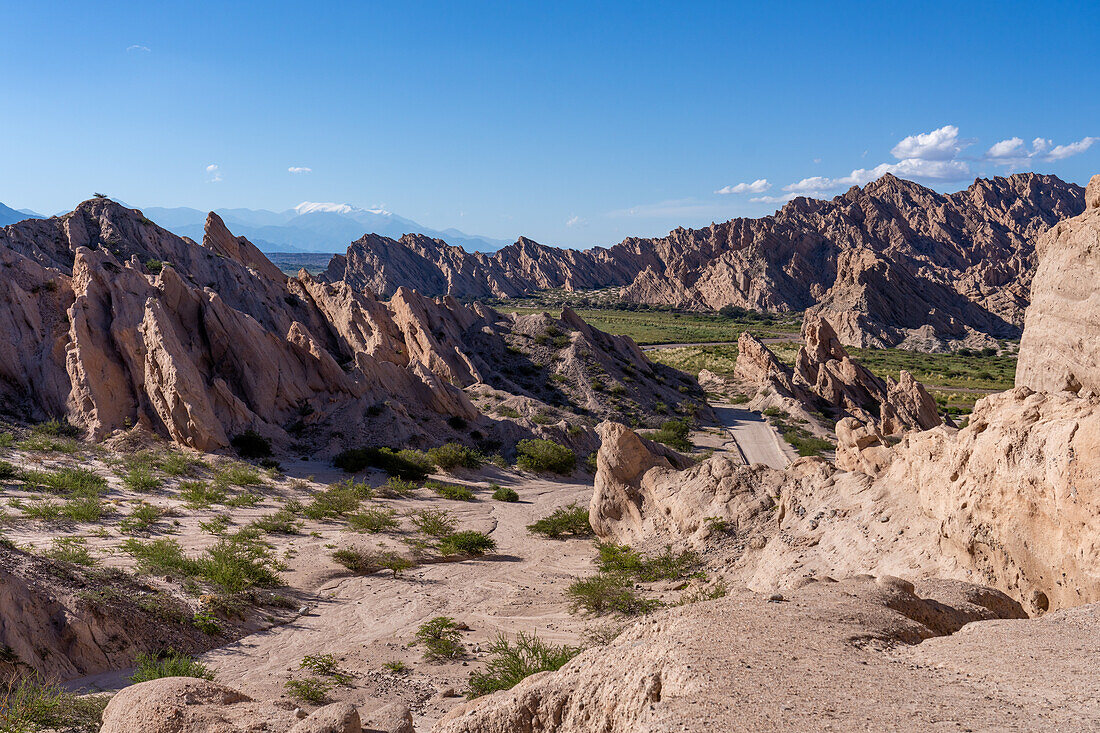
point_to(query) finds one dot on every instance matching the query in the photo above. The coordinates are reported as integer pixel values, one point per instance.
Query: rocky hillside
(890, 263)
(115, 322)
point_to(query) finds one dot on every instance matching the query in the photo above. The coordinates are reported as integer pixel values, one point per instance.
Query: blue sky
(572, 123)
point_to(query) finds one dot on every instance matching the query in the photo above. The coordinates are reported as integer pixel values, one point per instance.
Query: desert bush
(27, 703)
(398, 488)
(674, 433)
(312, 690)
(141, 519)
(359, 561)
(440, 638)
(237, 474)
(511, 661)
(283, 521)
(140, 478)
(199, 494)
(571, 520)
(251, 444)
(168, 664)
(396, 666)
(66, 481)
(337, 500)
(373, 520)
(467, 542)
(451, 491)
(545, 455)
(246, 498)
(71, 550)
(407, 464)
(8, 471)
(238, 563)
(325, 665)
(455, 455)
(175, 463)
(607, 593)
(503, 494)
(434, 522)
(615, 559)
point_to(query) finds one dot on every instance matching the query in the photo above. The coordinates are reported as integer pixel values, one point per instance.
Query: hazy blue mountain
(9, 215)
(310, 227)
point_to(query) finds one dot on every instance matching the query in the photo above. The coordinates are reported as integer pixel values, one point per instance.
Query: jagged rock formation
(890, 263)
(115, 322)
(813, 662)
(825, 379)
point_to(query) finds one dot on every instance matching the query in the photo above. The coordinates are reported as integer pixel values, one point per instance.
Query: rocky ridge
(116, 323)
(891, 263)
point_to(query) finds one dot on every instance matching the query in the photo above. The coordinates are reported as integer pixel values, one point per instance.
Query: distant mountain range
(311, 227)
(308, 227)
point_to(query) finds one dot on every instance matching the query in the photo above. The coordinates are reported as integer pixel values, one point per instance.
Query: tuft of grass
(66, 482)
(441, 639)
(201, 494)
(175, 463)
(373, 520)
(545, 456)
(337, 500)
(504, 494)
(237, 474)
(398, 488)
(674, 433)
(396, 666)
(140, 478)
(360, 561)
(246, 498)
(569, 520)
(71, 550)
(8, 471)
(141, 519)
(453, 492)
(168, 664)
(283, 521)
(468, 542)
(434, 522)
(615, 559)
(512, 661)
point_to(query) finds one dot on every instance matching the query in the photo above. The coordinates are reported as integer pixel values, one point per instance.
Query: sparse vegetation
(168, 664)
(407, 464)
(504, 494)
(621, 560)
(674, 433)
(71, 550)
(311, 690)
(31, 704)
(569, 520)
(441, 639)
(467, 542)
(511, 661)
(325, 665)
(455, 455)
(608, 593)
(338, 500)
(201, 494)
(453, 492)
(434, 522)
(373, 520)
(360, 561)
(545, 456)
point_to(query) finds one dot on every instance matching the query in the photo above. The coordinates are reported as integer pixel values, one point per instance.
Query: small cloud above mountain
(299, 169)
(760, 185)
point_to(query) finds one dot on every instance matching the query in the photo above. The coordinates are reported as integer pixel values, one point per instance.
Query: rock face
(890, 263)
(825, 378)
(689, 668)
(1063, 322)
(115, 322)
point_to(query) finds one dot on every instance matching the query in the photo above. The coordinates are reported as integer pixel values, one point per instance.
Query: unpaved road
(758, 441)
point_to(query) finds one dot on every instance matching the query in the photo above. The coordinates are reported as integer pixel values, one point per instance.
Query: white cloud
(138, 48)
(575, 221)
(760, 185)
(299, 169)
(941, 144)
(214, 173)
(1013, 152)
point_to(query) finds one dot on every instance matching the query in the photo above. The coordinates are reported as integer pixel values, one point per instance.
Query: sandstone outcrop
(890, 263)
(812, 661)
(115, 322)
(825, 379)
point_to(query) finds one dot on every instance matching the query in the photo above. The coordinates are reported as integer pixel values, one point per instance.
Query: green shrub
(440, 638)
(247, 498)
(283, 521)
(545, 455)
(238, 563)
(434, 522)
(67, 481)
(451, 491)
(141, 519)
(154, 266)
(8, 471)
(337, 500)
(373, 520)
(160, 557)
(251, 444)
(510, 662)
(396, 666)
(407, 464)
(615, 559)
(237, 474)
(174, 463)
(27, 703)
(509, 412)
(455, 455)
(571, 520)
(359, 561)
(674, 433)
(169, 664)
(502, 494)
(140, 478)
(398, 488)
(325, 665)
(604, 593)
(199, 494)
(310, 690)
(72, 550)
(467, 542)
